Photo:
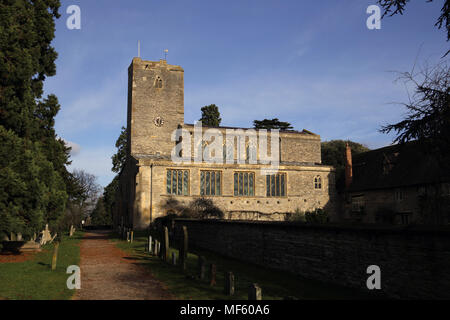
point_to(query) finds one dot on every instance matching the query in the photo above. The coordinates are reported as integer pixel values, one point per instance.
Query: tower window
(158, 82)
(318, 182)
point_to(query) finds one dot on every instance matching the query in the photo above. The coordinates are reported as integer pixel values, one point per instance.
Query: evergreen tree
(333, 154)
(99, 216)
(118, 159)
(33, 176)
(271, 124)
(210, 116)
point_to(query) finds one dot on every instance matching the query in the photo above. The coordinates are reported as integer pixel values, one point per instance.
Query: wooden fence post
(212, 274)
(254, 292)
(184, 249)
(166, 245)
(229, 283)
(55, 255)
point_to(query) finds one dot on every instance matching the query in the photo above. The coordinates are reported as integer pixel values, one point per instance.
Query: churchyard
(29, 276)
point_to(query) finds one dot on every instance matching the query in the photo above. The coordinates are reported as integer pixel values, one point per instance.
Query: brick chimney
(348, 166)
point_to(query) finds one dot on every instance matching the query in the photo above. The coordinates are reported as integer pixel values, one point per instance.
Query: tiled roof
(395, 166)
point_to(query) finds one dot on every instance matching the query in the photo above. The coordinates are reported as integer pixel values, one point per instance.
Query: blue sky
(311, 63)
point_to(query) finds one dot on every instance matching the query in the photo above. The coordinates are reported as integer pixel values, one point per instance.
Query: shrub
(316, 216)
(297, 216)
(203, 208)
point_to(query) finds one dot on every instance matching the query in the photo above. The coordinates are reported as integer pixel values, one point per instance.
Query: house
(397, 184)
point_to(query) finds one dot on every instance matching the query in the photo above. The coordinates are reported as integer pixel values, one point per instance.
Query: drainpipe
(151, 194)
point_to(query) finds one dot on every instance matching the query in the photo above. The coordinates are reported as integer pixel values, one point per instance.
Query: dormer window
(158, 82)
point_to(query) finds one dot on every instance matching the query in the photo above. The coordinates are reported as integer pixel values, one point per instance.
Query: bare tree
(84, 199)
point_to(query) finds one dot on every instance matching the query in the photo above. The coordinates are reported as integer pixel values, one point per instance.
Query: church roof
(395, 166)
(304, 131)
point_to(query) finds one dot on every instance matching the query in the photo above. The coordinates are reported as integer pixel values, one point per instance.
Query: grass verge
(275, 284)
(34, 280)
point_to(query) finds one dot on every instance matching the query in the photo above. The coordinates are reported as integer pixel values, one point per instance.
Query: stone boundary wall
(415, 263)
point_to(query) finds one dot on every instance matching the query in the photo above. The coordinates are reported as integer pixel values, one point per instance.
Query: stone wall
(414, 263)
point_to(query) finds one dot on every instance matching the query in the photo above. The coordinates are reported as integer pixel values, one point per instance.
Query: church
(243, 186)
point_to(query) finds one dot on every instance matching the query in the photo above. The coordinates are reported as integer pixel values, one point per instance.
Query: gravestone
(254, 292)
(13, 236)
(229, 283)
(212, 274)
(131, 236)
(71, 231)
(46, 236)
(19, 237)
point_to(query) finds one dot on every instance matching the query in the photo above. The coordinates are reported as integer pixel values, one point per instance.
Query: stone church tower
(155, 106)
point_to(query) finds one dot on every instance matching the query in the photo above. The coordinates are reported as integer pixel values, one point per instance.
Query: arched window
(318, 182)
(158, 82)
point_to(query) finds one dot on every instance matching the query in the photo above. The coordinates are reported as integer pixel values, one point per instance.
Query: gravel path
(107, 273)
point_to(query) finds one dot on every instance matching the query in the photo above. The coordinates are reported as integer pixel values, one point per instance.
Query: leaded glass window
(276, 185)
(177, 182)
(244, 183)
(210, 183)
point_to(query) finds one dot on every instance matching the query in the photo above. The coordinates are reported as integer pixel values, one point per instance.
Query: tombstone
(165, 249)
(229, 283)
(131, 236)
(212, 274)
(19, 237)
(174, 258)
(46, 235)
(13, 237)
(201, 266)
(254, 292)
(184, 249)
(128, 236)
(71, 231)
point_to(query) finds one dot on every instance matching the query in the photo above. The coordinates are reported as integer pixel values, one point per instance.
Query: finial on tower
(139, 48)
(166, 51)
